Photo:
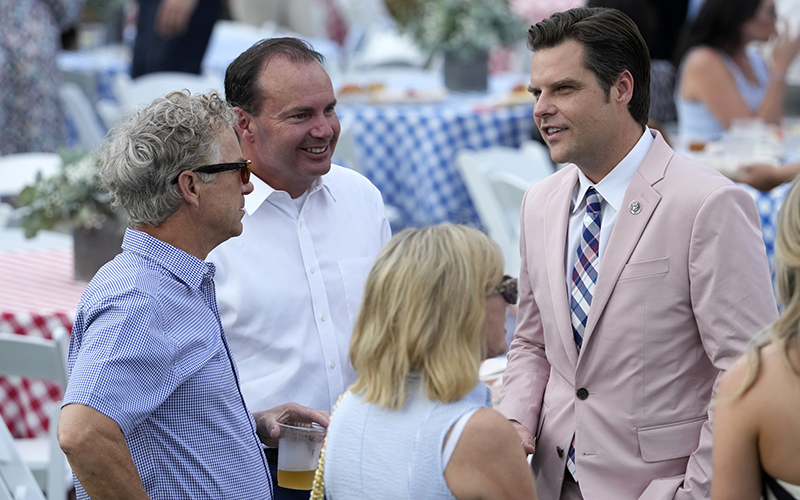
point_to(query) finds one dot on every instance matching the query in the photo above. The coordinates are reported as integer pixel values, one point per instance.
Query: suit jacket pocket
(645, 269)
(669, 441)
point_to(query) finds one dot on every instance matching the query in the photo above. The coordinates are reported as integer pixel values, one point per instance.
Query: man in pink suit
(643, 276)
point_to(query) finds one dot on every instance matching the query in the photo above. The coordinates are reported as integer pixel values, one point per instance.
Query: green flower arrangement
(100, 10)
(461, 27)
(71, 199)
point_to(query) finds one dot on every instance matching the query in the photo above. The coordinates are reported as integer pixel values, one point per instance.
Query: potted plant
(72, 200)
(463, 30)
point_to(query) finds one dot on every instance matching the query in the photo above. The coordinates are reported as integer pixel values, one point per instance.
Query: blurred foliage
(71, 198)
(100, 11)
(458, 26)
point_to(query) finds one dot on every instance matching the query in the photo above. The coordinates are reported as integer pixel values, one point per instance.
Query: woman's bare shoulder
(703, 58)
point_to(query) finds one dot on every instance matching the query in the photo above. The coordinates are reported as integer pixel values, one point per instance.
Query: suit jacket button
(560, 451)
(582, 393)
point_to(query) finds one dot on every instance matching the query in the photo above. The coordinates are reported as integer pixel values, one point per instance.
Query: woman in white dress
(417, 423)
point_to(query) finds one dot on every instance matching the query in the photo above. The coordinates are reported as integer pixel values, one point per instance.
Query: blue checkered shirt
(148, 351)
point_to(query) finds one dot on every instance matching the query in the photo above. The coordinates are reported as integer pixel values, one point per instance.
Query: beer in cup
(299, 447)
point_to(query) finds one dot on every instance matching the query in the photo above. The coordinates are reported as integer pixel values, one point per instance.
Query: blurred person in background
(533, 11)
(722, 77)
(172, 35)
(662, 72)
(31, 114)
(757, 410)
(308, 18)
(417, 423)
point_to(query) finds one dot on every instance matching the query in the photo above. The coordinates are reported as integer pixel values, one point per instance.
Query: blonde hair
(424, 311)
(785, 332)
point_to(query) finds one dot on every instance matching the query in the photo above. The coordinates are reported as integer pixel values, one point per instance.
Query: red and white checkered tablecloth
(37, 295)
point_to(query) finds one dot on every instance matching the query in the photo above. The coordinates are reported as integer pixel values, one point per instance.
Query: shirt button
(333, 365)
(582, 394)
(322, 317)
(313, 270)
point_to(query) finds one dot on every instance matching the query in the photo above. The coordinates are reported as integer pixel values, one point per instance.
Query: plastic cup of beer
(299, 447)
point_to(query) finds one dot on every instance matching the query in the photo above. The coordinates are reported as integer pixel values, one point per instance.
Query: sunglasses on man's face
(508, 289)
(243, 167)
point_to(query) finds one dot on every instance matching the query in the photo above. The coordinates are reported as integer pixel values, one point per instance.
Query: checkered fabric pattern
(24, 402)
(769, 205)
(584, 275)
(37, 296)
(408, 151)
(149, 320)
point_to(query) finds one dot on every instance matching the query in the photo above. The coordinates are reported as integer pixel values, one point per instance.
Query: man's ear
(622, 89)
(244, 125)
(188, 185)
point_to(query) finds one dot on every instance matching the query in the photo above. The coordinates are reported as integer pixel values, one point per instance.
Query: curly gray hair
(143, 154)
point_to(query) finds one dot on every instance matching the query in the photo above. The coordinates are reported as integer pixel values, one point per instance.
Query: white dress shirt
(290, 287)
(612, 189)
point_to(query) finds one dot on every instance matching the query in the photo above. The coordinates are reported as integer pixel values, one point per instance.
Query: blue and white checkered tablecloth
(96, 68)
(768, 205)
(408, 151)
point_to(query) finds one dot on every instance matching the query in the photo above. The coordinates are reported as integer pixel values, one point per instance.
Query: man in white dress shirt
(290, 288)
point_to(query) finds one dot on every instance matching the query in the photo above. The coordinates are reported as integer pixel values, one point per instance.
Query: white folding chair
(382, 46)
(496, 179)
(34, 357)
(81, 114)
(133, 93)
(20, 169)
(346, 153)
(16, 480)
(541, 164)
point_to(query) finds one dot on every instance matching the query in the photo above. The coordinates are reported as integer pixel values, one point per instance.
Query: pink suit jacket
(682, 288)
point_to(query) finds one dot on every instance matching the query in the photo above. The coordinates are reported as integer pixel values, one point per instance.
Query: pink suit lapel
(555, 232)
(628, 228)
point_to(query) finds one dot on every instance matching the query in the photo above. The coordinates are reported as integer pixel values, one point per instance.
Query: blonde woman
(757, 413)
(417, 424)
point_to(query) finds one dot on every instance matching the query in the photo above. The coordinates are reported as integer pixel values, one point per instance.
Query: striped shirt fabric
(148, 351)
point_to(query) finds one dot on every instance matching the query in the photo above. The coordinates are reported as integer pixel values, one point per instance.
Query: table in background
(769, 205)
(408, 150)
(37, 295)
(94, 69)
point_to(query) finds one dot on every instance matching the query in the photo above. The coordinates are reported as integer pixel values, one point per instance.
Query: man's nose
(543, 107)
(324, 126)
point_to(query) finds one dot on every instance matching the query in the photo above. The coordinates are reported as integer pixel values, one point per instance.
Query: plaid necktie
(584, 277)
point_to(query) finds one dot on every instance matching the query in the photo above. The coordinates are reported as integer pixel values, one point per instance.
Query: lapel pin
(635, 207)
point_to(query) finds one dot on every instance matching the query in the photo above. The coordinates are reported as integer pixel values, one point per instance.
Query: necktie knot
(593, 200)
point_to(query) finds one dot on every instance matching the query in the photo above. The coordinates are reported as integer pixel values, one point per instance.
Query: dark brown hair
(612, 44)
(241, 77)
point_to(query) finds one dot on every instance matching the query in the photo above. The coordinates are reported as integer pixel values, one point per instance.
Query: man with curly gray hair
(153, 407)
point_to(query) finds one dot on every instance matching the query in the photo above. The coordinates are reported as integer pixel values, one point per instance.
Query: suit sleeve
(528, 370)
(732, 299)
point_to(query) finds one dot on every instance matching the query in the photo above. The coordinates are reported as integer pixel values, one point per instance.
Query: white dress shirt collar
(613, 186)
(262, 191)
